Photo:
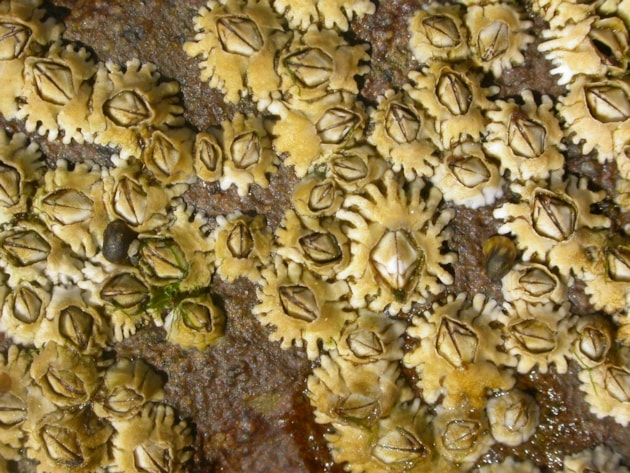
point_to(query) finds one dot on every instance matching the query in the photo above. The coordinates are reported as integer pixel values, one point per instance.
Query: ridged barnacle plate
(595, 338)
(331, 13)
(354, 167)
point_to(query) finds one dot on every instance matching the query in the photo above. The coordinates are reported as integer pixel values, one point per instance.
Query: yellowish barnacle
(168, 155)
(196, 322)
(23, 33)
(467, 177)
(161, 261)
(332, 13)
(127, 387)
(607, 391)
(498, 34)
(395, 245)
(128, 103)
(453, 96)
(23, 311)
(459, 352)
(239, 42)
(513, 417)
(14, 387)
(75, 441)
(593, 46)
(597, 113)
(526, 139)
(354, 167)
(535, 283)
(207, 157)
(153, 441)
(593, 342)
(242, 246)
(438, 32)
(21, 167)
(317, 196)
(600, 459)
(538, 335)
(561, 12)
(509, 465)
(56, 93)
(302, 307)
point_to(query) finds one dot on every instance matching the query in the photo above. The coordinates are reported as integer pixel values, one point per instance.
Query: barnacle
(153, 441)
(438, 33)
(600, 459)
(404, 135)
(196, 322)
(14, 386)
(128, 102)
(168, 155)
(453, 96)
(395, 245)
(538, 334)
(525, 139)
(242, 246)
(302, 307)
(561, 12)
(535, 283)
(24, 310)
(207, 157)
(513, 417)
(597, 112)
(57, 92)
(593, 341)
(467, 177)
(354, 167)
(607, 391)
(509, 465)
(332, 13)
(458, 355)
(317, 196)
(238, 42)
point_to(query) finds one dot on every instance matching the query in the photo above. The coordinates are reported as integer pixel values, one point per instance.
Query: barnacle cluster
(409, 372)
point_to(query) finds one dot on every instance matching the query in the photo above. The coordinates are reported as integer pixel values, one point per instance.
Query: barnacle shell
(535, 283)
(607, 389)
(153, 441)
(459, 354)
(509, 465)
(238, 42)
(467, 177)
(168, 155)
(525, 139)
(513, 417)
(57, 91)
(242, 246)
(593, 341)
(23, 311)
(196, 322)
(354, 167)
(395, 245)
(301, 306)
(332, 13)
(207, 157)
(600, 459)
(14, 386)
(317, 196)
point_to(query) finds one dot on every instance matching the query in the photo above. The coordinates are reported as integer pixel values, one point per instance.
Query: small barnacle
(76, 441)
(127, 387)
(239, 43)
(168, 155)
(597, 112)
(600, 459)
(467, 177)
(56, 93)
(500, 254)
(535, 283)
(593, 46)
(160, 260)
(196, 322)
(498, 34)
(513, 417)
(128, 103)
(395, 245)
(453, 96)
(332, 13)
(302, 307)
(207, 157)
(525, 139)
(509, 465)
(65, 377)
(153, 441)
(354, 167)
(438, 33)
(538, 334)
(607, 389)
(459, 353)
(23, 311)
(242, 246)
(125, 291)
(317, 196)
(404, 135)
(593, 341)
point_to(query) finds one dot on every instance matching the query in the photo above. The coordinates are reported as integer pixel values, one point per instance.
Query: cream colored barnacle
(168, 155)
(317, 196)
(196, 322)
(154, 441)
(302, 307)
(467, 177)
(438, 32)
(607, 391)
(513, 417)
(459, 352)
(24, 311)
(242, 246)
(395, 245)
(207, 157)
(354, 167)
(594, 340)
(535, 283)
(56, 93)
(130, 101)
(559, 13)
(600, 459)
(332, 13)
(526, 139)
(160, 260)
(238, 42)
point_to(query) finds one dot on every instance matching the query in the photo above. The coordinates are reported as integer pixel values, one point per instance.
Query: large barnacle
(57, 91)
(128, 103)
(597, 112)
(453, 96)
(196, 322)
(395, 244)
(600, 459)
(438, 32)
(535, 283)
(14, 386)
(302, 307)
(497, 36)
(525, 139)
(467, 177)
(332, 13)
(459, 355)
(168, 155)
(513, 417)
(154, 441)
(593, 342)
(607, 389)
(239, 43)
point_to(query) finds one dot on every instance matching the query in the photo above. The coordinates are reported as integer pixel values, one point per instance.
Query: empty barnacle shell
(208, 157)
(607, 389)
(333, 16)
(196, 322)
(125, 291)
(534, 282)
(513, 417)
(599, 459)
(500, 254)
(593, 342)
(168, 155)
(438, 32)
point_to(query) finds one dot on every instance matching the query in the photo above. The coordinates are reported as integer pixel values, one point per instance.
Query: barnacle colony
(411, 369)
